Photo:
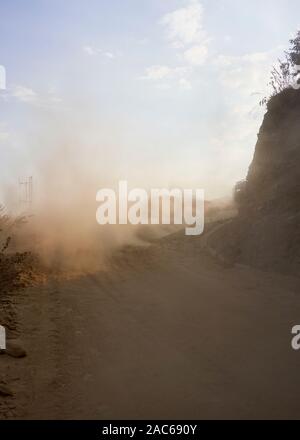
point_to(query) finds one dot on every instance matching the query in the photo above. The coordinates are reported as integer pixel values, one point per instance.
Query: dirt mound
(266, 232)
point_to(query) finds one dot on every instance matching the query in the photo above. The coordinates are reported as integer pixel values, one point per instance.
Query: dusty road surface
(166, 333)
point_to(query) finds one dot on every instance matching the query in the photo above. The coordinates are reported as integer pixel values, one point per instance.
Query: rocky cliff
(266, 232)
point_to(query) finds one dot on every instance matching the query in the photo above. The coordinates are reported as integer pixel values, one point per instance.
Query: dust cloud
(71, 155)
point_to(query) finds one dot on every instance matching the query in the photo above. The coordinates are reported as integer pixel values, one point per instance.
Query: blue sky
(158, 92)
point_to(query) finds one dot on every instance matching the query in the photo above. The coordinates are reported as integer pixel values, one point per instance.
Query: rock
(5, 391)
(266, 232)
(14, 349)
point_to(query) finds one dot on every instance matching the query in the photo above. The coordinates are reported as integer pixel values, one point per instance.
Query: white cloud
(256, 57)
(90, 50)
(28, 96)
(185, 32)
(156, 73)
(109, 55)
(52, 96)
(185, 84)
(248, 73)
(196, 55)
(163, 86)
(166, 77)
(184, 25)
(25, 94)
(223, 61)
(93, 51)
(4, 134)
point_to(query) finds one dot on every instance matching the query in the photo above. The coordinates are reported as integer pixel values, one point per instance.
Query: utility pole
(26, 194)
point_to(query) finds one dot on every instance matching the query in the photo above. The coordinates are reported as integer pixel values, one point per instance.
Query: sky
(156, 92)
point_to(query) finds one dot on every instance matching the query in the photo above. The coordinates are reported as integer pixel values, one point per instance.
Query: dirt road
(166, 333)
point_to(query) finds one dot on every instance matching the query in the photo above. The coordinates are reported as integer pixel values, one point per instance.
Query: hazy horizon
(164, 93)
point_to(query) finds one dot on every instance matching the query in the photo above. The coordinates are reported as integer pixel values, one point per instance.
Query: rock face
(266, 232)
(273, 181)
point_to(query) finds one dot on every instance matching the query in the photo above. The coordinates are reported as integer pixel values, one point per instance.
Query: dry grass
(16, 268)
